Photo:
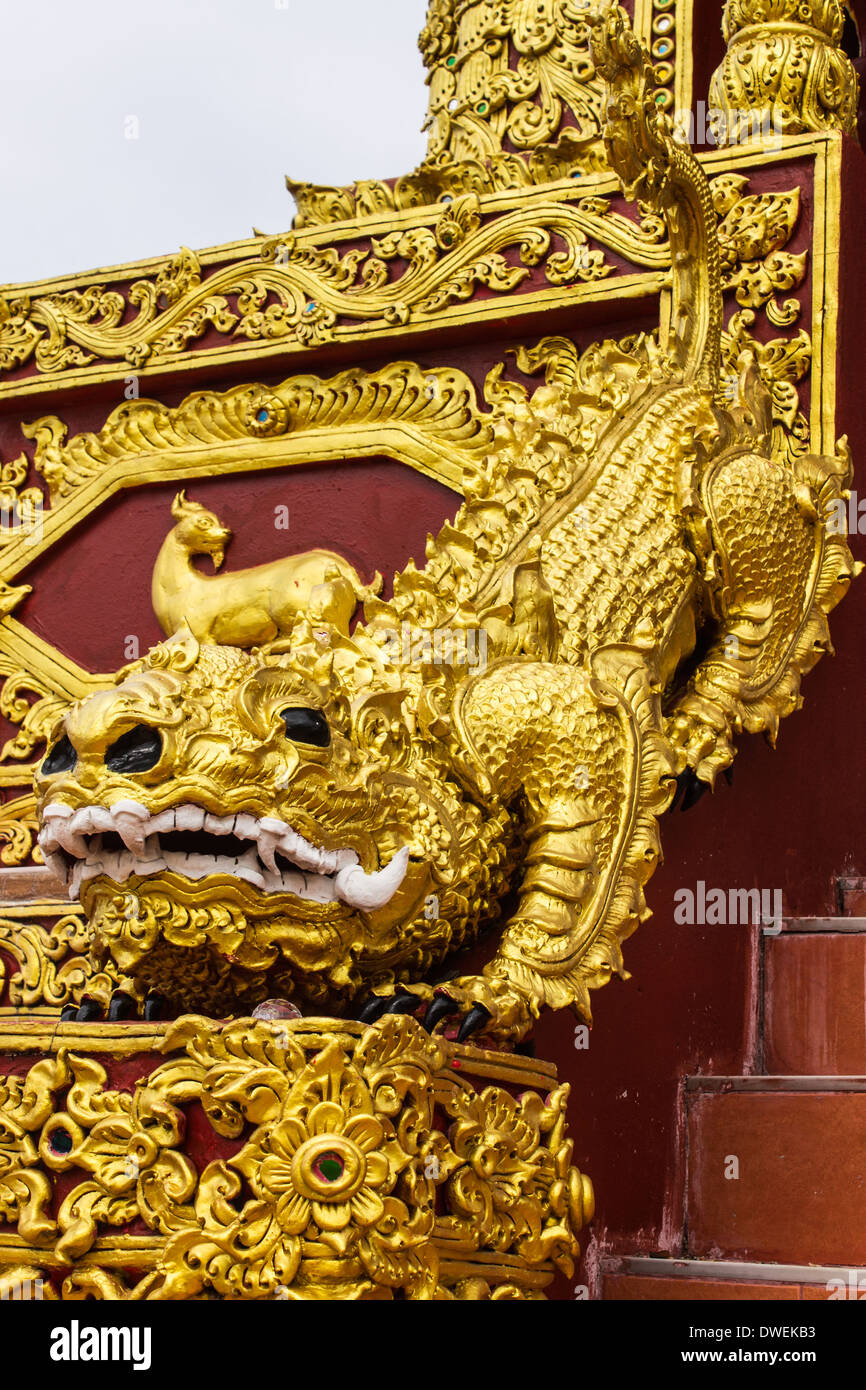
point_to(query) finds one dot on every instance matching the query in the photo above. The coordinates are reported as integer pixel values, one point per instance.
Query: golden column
(784, 71)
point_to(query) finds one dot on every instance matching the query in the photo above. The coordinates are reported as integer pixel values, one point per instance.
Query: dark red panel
(92, 591)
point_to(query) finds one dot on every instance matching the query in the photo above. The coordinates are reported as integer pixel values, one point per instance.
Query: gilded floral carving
(331, 1192)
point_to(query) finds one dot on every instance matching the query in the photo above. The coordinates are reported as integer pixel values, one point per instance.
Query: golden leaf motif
(340, 1160)
(52, 966)
(305, 294)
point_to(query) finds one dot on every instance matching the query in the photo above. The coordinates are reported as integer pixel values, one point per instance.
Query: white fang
(73, 846)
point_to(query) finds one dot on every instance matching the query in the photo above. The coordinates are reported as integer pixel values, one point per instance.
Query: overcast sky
(228, 95)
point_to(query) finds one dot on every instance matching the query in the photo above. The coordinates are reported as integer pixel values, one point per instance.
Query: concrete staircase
(775, 1181)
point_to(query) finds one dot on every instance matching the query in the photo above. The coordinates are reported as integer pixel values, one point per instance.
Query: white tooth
(198, 865)
(246, 827)
(189, 817)
(125, 863)
(318, 888)
(268, 843)
(57, 864)
(219, 825)
(276, 835)
(162, 823)
(82, 822)
(108, 859)
(285, 837)
(130, 821)
(305, 855)
(249, 872)
(308, 856)
(102, 819)
(150, 866)
(75, 880)
(57, 808)
(130, 808)
(47, 839)
(368, 892)
(132, 834)
(72, 843)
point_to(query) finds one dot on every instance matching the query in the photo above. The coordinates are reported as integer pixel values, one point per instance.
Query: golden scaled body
(512, 720)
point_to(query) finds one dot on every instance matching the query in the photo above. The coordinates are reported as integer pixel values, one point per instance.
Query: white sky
(230, 95)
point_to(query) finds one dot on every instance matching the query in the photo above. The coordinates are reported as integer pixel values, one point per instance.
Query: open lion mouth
(124, 840)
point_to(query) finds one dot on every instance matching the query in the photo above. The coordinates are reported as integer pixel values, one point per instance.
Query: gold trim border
(514, 307)
(38, 1036)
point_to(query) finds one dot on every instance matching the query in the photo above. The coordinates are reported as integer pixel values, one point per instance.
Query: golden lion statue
(327, 816)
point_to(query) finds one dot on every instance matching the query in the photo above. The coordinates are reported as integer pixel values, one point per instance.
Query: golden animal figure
(249, 606)
(634, 578)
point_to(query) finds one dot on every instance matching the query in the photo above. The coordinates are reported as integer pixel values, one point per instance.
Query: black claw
(440, 1006)
(682, 783)
(69, 1014)
(444, 979)
(121, 1006)
(154, 1007)
(694, 791)
(402, 1004)
(374, 1008)
(88, 1011)
(475, 1019)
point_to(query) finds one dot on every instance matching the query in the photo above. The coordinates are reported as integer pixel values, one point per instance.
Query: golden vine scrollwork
(438, 408)
(303, 294)
(53, 968)
(515, 102)
(33, 720)
(357, 1162)
(72, 329)
(494, 124)
(511, 74)
(754, 230)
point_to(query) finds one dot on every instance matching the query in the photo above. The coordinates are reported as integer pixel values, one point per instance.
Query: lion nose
(138, 750)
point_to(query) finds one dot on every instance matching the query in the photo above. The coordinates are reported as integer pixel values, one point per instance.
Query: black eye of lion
(307, 726)
(62, 758)
(136, 751)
